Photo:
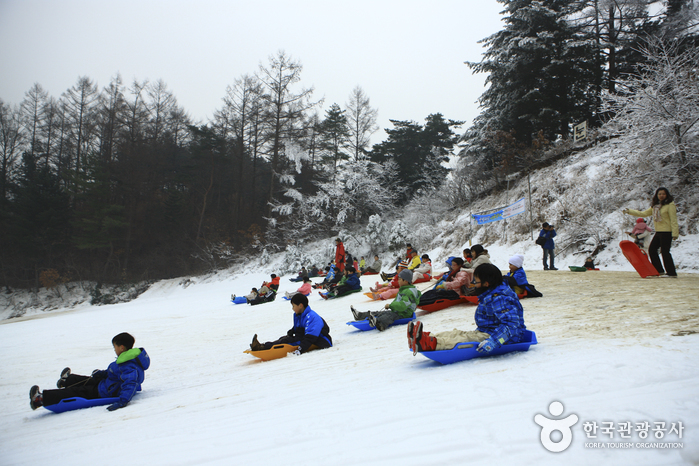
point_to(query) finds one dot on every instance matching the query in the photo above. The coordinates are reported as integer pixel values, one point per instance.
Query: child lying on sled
(402, 307)
(122, 378)
(310, 331)
(499, 318)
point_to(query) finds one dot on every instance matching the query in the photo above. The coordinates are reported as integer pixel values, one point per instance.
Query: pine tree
(418, 151)
(540, 73)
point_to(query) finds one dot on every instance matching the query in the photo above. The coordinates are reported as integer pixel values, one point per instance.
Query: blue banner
(509, 211)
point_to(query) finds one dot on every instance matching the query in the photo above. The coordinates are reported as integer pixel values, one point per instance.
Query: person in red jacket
(339, 255)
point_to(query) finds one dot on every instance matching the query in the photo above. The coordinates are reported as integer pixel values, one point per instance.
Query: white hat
(517, 260)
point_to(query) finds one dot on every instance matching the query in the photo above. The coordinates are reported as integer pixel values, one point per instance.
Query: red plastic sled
(423, 280)
(445, 303)
(639, 260)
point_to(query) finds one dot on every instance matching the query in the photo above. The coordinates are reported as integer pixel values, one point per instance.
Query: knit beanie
(406, 275)
(517, 260)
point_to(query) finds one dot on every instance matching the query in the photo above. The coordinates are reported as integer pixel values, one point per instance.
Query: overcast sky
(407, 55)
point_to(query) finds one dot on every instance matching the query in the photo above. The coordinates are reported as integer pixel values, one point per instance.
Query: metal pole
(531, 220)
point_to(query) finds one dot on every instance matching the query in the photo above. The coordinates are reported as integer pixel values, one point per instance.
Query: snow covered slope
(612, 347)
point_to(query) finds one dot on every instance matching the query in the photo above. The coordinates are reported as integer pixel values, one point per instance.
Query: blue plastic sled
(364, 325)
(69, 404)
(239, 300)
(467, 350)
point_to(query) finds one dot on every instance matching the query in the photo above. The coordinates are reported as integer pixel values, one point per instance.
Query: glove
(116, 406)
(297, 353)
(98, 374)
(486, 346)
(440, 286)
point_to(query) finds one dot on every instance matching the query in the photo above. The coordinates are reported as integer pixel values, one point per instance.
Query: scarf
(656, 213)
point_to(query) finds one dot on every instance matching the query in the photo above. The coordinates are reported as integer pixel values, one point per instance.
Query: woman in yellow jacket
(666, 229)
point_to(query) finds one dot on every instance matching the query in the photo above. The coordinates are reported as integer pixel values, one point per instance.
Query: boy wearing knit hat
(402, 307)
(517, 279)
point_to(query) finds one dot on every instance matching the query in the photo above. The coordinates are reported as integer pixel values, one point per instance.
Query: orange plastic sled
(275, 352)
(639, 260)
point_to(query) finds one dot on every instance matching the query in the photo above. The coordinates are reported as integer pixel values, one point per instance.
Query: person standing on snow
(546, 236)
(339, 255)
(664, 214)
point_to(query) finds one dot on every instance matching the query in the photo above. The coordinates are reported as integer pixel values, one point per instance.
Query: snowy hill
(612, 348)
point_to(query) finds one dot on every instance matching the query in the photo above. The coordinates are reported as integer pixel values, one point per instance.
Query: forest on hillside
(117, 185)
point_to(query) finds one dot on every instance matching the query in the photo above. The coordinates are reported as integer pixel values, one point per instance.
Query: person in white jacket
(424, 270)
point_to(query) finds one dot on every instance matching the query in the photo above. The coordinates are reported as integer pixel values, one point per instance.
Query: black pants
(662, 240)
(76, 386)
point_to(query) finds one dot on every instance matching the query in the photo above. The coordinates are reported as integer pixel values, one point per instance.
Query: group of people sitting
(266, 293)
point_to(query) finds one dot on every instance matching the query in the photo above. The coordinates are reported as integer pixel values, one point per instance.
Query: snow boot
(256, 345)
(411, 329)
(64, 376)
(372, 321)
(423, 340)
(359, 315)
(35, 398)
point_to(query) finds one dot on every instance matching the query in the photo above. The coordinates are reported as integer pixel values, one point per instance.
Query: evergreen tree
(333, 138)
(540, 73)
(418, 151)
(38, 224)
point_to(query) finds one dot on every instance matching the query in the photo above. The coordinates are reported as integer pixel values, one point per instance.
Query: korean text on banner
(509, 211)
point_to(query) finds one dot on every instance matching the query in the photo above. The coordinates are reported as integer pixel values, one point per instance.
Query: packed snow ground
(612, 348)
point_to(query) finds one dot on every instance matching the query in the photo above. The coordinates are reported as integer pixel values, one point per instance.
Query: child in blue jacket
(349, 282)
(310, 331)
(499, 318)
(123, 378)
(517, 279)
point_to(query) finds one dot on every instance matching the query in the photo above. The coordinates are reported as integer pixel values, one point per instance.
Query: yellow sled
(275, 352)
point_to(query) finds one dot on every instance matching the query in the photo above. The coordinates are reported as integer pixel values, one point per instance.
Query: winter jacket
(305, 288)
(414, 262)
(424, 268)
(362, 264)
(459, 280)
(310, 329)
(352, 281)
(500, 314)
(123, 378)
(406, 301)
(639, 228)
(520, 277)
(340, 256)
(548, 234)
(482, 259)
(668, 222)
(376, 266)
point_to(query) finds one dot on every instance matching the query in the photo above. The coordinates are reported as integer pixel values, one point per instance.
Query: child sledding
(119, 382)
(403, 307)
(517, 279)
(348, 284)
(499, 319)
(310, 331)
(451, 287)
(266, 293)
